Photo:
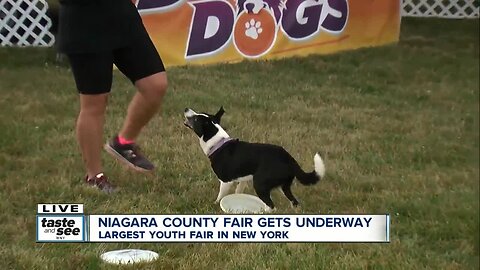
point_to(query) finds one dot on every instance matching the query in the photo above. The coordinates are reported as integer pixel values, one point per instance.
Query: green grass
(398, 126)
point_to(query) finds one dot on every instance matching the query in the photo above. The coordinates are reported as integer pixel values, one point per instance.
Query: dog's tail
(314, 176)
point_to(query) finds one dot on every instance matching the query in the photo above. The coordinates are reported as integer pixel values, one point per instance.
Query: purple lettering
(337, 14)
(157, 5)
(211, 27)
(300, 19)
(304, 18)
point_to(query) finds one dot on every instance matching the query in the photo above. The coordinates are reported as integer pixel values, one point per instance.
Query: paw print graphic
(253, 29)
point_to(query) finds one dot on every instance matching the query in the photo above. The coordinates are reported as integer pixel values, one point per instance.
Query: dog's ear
(218, 116)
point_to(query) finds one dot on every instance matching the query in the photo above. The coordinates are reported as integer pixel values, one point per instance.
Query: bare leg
(89, 131)
(144, 104)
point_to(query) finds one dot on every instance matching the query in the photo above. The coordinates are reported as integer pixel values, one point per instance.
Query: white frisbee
(129, 256)
(243, 204)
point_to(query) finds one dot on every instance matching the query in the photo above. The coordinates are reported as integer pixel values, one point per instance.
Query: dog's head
(206, 126)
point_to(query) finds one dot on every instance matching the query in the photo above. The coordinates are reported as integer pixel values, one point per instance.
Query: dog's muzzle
(188, 114)
(187, 123)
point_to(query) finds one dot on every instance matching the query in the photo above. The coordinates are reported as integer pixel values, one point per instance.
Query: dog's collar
(219, 145)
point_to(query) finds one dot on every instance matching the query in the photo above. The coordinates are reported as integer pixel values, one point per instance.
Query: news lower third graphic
(68, 223)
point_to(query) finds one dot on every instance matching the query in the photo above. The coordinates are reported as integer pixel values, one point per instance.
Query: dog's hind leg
(224, 189)
(287, 191)
(264, 194)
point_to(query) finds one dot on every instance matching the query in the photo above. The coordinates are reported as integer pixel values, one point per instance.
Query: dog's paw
(270, 210)
(296, 208)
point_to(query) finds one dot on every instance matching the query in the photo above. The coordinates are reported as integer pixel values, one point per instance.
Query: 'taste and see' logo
(253, 25)
(60, 223)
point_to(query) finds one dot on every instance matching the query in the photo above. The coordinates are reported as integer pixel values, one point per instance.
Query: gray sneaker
(100, 181)
(129, 154)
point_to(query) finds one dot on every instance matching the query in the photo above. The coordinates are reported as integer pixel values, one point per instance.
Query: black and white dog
(235, 161)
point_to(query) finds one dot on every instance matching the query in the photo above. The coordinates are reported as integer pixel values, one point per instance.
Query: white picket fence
(25, 22)
(456, 9)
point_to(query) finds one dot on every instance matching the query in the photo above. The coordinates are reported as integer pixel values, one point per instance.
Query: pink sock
(122, 140)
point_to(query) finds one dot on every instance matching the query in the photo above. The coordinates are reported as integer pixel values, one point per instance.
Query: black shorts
(93, 71)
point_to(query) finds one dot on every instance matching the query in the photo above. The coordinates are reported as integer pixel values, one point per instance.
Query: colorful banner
(213, 31)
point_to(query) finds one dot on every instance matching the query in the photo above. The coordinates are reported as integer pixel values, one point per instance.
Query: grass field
(398, 126)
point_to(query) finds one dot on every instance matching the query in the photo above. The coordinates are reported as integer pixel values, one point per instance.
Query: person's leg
(89, 129)
(144, 104)
(93, 77)
(142, 108)
(142, 64)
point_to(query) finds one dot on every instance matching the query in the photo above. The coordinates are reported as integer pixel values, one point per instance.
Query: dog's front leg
(241, 187)
(224, 189)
